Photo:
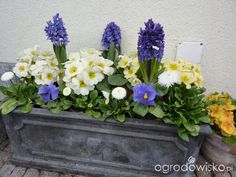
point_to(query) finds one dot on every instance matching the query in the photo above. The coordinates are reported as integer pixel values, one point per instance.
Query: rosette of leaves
(18, 95)
(184, 108)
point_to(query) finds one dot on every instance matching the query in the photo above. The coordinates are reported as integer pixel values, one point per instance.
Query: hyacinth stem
(60, 52)
(143, 69)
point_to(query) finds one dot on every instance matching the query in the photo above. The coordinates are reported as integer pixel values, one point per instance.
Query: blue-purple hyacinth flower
(56, 32)
(111, 34)
(144, 94)
(151, 41)
(48, 93)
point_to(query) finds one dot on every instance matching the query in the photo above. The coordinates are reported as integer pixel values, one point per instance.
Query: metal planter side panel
(71, 142)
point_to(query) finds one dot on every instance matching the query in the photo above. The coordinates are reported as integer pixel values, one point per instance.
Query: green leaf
(93, 95)
(120, 117)
(204, 119)
(60, 52)
(141, 110)
(161, 90)
(230, 140)
(190, 127)
(27, 108)
(8, 106)
(103, 86)
(117, 80)
(157, 111)
(183, 135)
(56, 110)
(111, 52)
(93, 113)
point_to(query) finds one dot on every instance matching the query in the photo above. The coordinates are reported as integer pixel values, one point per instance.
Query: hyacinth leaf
(60, 52)
(111, 52)
(117, 80)
(157, 111)
(141, 110)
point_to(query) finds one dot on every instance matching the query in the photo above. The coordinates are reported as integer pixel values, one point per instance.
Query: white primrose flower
(74, 56)
(49, 76)
(118, 93)
(106, 95)
(92, 78)
(80, 86)
(21, 69)
(168, 78)
(33, 52)
(89, 52)
(67, 91)
(73, 69)
(7, 76)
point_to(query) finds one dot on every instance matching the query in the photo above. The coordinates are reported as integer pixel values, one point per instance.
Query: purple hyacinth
(144, 94)
(56, 32)
(48, 93)
(111, 34)
(151, 41)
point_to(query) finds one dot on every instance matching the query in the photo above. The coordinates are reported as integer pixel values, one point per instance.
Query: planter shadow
(73, 143)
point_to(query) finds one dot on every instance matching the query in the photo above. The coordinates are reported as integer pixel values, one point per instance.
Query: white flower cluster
(86, 69)
(42, 65)
(130, 65)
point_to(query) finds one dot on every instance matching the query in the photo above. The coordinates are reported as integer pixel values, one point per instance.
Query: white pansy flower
(67, 91)
(168, 78)
(7, 76)
(119, 93)
(21, 69)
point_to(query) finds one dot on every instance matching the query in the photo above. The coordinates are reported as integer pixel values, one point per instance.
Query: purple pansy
(111, 34)
(151, 41)
(144, 94)
(48, 92)
(56, 32)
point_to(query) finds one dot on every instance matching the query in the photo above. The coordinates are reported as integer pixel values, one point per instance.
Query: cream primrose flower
(187, 78)
(85, 70)
(80, 87)
(46, 55)
(33, 52)
(66, 91)
(25, 59)
(134, 80)
(74, 56)
(92, 78)
(124, 61)
(107, 96)
(48, 76)
(119, 93)
(89, 52)
(73, 69)
(21, 69)
(105, 66)
(45, 71)
(7, 76)
(168, 78)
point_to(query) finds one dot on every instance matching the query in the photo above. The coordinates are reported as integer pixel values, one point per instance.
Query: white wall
(212, 22)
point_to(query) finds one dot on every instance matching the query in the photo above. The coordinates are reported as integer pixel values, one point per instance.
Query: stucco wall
(212, 22)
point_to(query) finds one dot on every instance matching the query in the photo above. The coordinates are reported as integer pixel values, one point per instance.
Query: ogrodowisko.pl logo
(191, 166)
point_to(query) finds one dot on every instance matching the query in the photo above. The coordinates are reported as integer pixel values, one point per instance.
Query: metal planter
(73, 143)
(4, 67)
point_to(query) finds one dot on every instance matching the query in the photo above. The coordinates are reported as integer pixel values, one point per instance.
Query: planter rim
(132, 122)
